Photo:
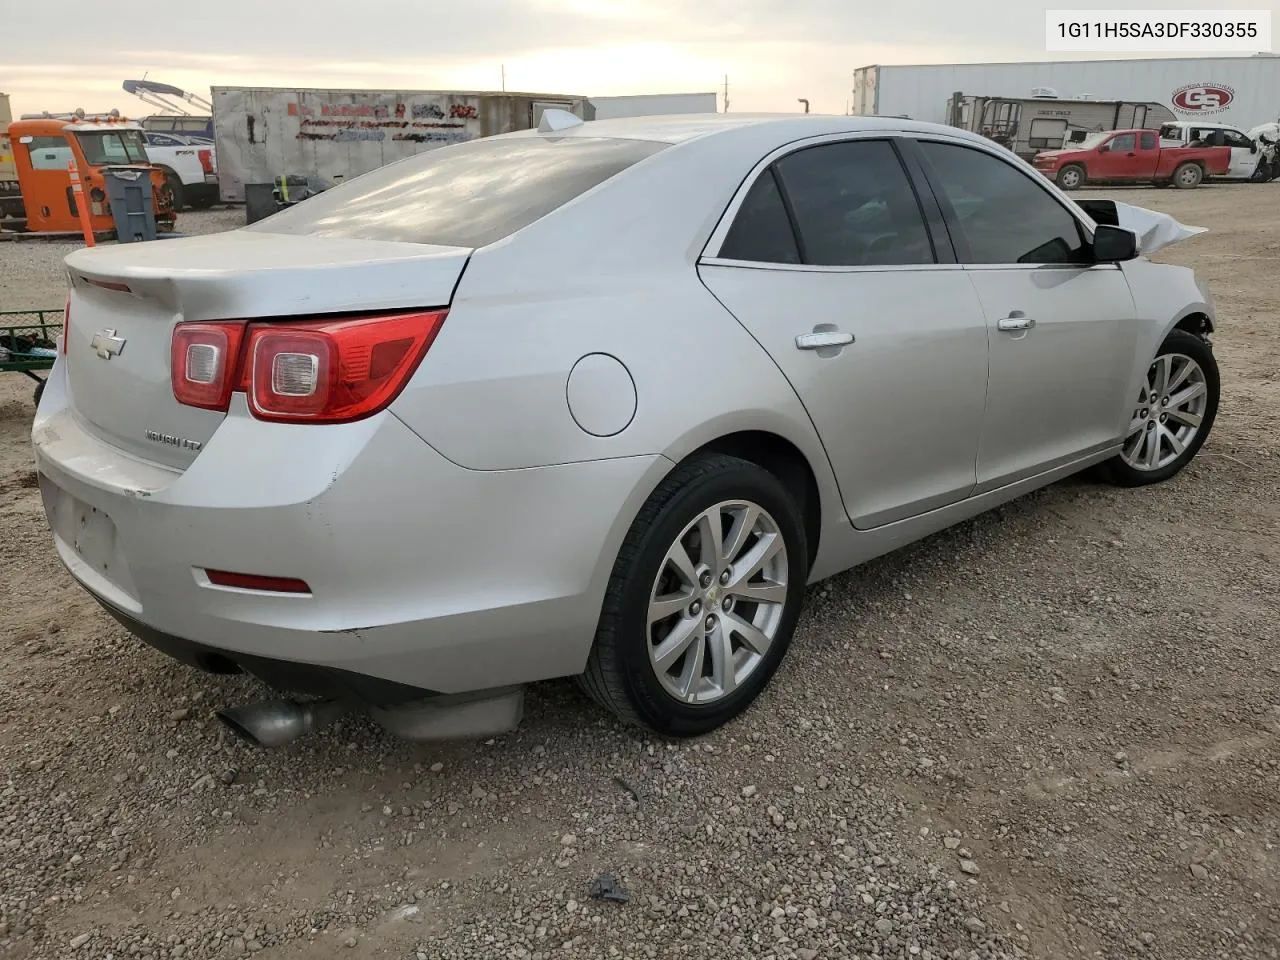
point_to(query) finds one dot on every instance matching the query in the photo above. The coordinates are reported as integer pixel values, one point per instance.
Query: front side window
(49, 153)
(115, 146)
(1004, 216)
(1123, 143)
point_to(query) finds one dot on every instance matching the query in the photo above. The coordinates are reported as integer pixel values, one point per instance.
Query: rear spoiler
(1155, 230)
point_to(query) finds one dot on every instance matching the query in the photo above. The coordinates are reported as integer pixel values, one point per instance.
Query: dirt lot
(1051, 732)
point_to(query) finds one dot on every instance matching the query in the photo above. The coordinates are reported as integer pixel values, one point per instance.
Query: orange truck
(43, 146)
(1131, 156)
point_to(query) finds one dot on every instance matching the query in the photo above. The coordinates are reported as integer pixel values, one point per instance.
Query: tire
(1071, 177)
(1133, 467)
(1188, 176)
(204, 201)
(621, 673)
(175, 189)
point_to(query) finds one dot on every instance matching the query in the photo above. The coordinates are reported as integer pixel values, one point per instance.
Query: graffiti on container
(436, 136)
(430, 122)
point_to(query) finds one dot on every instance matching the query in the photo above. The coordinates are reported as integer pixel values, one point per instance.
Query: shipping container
(1242, 91)
(262, 133)
(651, 105)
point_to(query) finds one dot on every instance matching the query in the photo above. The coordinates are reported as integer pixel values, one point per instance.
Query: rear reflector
(325, 371)
(249, 581)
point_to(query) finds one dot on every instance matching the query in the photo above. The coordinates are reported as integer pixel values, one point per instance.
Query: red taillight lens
(331, 371)
(66, 325)
(335, 371)
(204, 362)
(206, 160)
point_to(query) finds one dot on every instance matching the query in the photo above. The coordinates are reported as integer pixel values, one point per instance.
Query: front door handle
(823, 338)
(1015, 323)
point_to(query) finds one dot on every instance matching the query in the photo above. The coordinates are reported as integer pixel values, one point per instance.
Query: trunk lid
(126, 300)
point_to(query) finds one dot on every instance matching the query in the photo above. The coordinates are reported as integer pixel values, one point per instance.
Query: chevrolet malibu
(592, 400)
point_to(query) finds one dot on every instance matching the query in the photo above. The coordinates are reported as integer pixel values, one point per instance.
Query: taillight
(331, 371)
(204, 359)
(66, 325)
(206, 160)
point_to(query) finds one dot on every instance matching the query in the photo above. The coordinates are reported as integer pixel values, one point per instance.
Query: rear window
(466, 195)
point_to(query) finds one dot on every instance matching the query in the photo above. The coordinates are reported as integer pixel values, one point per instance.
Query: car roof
(677, 128)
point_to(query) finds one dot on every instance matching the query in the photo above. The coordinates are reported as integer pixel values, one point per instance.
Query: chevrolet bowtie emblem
(106, 344)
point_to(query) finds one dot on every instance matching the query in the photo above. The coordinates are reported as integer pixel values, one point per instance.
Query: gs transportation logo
(1202, 98)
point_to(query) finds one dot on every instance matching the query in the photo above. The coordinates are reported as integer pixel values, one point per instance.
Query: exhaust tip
(273, 723)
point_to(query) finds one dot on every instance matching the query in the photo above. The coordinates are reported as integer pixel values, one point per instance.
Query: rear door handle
(824, 338)
(1015, 323)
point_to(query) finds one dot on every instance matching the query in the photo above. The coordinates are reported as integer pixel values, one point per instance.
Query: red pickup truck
(1131, 156)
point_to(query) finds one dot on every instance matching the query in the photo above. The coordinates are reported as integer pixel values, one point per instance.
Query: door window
(49, 153)
(1123, 143)
(1236, 140)
(854, 206)
(1004, 216)
(1148, 141)
(761, 231)
(851, 205)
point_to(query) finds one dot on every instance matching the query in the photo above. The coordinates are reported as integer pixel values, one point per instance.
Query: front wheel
(1172, 415)
(703, 599)
(1187, 176)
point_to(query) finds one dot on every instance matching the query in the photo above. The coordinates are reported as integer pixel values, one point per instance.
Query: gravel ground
(31, 272)
(1049, 732)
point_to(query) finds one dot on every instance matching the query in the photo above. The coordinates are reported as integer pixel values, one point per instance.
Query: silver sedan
(593, 400)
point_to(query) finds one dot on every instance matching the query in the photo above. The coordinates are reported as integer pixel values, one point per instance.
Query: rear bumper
(422, 573)
(284, 675)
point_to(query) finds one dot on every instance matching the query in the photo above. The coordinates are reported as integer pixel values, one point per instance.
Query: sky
(773, 51)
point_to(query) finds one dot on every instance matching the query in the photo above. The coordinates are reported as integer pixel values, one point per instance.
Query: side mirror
(1105, 148)
(1114, 244)
(1253, 146)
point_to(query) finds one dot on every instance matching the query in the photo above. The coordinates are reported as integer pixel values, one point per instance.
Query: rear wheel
(1071, 177)
(1188, 175)
(1173, 413)
(703, 599)
(175, 190)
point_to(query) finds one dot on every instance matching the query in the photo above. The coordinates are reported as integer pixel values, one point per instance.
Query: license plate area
(88, 542)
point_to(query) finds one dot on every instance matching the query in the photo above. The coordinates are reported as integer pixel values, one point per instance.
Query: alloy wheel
(717, 602)
(1168, 414)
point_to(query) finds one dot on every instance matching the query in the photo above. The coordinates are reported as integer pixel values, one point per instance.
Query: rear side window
(465, 195)
(1148, 141)
(854, 206)
(762, 232)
